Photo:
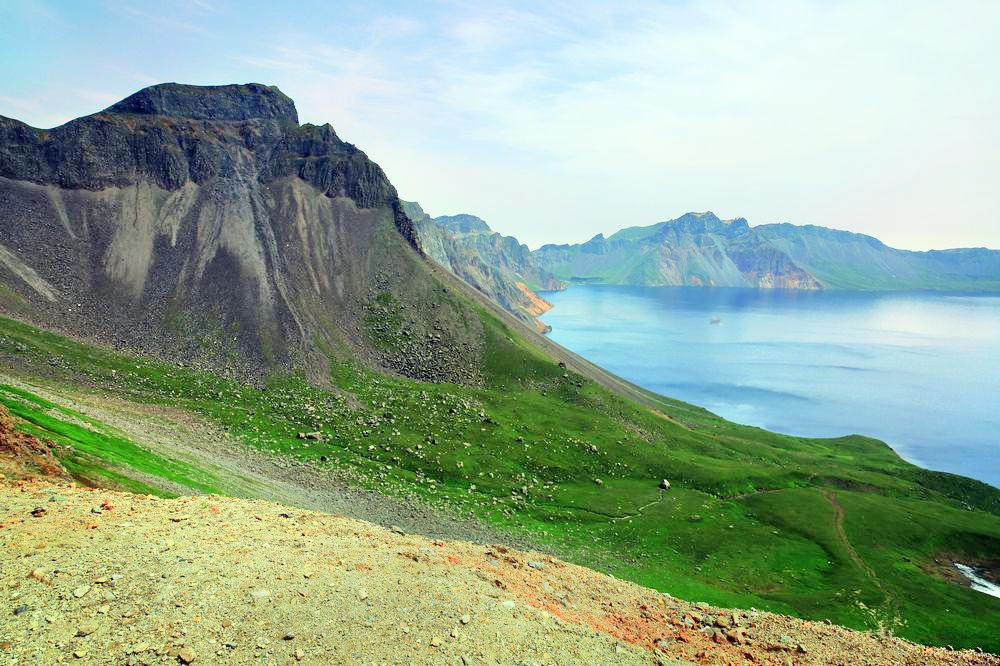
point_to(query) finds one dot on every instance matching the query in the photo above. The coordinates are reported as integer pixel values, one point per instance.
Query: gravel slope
(214, 580)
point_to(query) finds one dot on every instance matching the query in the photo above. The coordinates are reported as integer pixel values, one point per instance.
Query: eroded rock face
(499, 266)
(206, 225)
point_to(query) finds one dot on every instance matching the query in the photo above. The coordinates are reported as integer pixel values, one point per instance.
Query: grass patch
(542, 451)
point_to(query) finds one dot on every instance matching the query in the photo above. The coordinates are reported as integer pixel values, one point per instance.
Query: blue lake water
(920, 371)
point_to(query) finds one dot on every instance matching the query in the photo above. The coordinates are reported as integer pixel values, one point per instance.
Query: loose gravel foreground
(99, 577)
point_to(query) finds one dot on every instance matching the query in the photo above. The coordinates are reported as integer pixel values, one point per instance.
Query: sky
(558, 120)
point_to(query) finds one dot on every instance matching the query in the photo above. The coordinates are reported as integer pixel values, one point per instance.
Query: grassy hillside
(845, 260)
(840, 529)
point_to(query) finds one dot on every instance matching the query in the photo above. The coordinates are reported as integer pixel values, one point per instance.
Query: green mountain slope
(700, 249)
(844, 260)
(499, 266)
(695, 249)
(411, 384)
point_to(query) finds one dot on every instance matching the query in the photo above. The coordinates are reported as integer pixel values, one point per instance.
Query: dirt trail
(98, 577)
(638, 512)
(838, 524)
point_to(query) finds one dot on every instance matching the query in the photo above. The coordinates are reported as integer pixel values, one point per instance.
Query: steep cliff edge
(499, 266)
(205, 224)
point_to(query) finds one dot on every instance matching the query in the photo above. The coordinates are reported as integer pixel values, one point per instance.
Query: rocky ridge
(204, 224)
(498, 266)
(700, 249)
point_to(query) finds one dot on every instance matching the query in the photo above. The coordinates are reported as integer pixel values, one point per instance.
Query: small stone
(85, 630)
(97, 509)
(38, 511)
(535, 564)
(736, 635)
(289, 636)
(465, 619)
(299, 655)
(81, 591)
(509, 603)
(436, 642)
(79, 654)
(20, 610)
(187, 656)
(139, 648)
(260, 594)
(40, 576)
(226, 624)
(362, 594)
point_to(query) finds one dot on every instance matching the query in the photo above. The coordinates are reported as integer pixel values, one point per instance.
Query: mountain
(201, 296)
(206, 224)
(845, 260)
(699, 249)
(499, 266)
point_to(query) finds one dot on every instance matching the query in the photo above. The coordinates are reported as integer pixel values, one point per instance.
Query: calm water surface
(920, 371)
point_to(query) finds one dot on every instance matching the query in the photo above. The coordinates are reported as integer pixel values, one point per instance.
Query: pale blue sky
(556, 121)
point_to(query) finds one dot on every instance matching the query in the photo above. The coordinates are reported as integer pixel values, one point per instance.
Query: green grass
(525, 450)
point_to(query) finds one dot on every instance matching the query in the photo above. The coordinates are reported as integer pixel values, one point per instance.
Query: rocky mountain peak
(251, 101)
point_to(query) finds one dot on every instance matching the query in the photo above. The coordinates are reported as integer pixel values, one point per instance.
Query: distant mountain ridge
(700, 249)
(499, 266)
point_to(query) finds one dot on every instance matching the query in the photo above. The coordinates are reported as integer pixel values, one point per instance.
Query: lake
(920, 371)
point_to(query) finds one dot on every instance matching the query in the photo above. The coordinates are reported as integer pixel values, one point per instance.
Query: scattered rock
(22, 609)
(86, 629)
(465, 619)
(81, 591)
(535, 564)
(186, 656)
(40, 576)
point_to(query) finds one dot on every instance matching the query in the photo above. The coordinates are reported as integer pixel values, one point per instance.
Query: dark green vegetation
(840, 529)
(702, 250)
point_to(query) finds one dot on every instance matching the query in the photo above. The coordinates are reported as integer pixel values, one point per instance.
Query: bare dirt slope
(98, 577)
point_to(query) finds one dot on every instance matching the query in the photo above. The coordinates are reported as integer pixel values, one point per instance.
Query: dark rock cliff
(205, 224)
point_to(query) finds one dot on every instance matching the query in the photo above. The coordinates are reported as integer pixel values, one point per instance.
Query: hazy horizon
(556, 122)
